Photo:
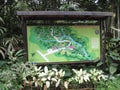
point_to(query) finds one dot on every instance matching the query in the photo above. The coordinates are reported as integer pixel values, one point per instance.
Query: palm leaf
(3, 87)
(19, 53)
(1, 20)
(2, 30)
(2, 52)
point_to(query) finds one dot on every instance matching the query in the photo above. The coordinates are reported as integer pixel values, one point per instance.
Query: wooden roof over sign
(64, 15)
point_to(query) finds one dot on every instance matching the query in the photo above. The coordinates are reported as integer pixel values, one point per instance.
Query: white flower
(81, 75)
(97, 75)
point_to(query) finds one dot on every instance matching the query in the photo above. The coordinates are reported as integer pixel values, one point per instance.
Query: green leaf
(19, 52)
(2, 52)
(3, 87)
(1, 20)
(99, 64)
(2, 30)
(112, 69)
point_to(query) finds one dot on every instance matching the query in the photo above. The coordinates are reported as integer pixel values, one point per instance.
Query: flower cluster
(84, 76)
(45, 76)
(97, 75)
(39, 76)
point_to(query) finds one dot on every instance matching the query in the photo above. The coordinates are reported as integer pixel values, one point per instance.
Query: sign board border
(101, 17)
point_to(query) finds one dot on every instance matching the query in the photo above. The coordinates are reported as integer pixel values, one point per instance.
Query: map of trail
(54, 42)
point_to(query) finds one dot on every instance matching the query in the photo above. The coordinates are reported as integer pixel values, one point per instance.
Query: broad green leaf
(99, 64)
(112, 69)
(68, 74)
(1, 20)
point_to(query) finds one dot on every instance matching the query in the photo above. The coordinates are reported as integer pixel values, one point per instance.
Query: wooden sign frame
(51, 18)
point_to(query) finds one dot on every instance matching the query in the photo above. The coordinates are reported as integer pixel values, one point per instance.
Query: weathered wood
(68, 15)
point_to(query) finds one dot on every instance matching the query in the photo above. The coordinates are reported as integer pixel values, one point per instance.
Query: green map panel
(63, 43)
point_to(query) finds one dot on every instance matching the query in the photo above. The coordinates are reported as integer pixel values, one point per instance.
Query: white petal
(47, 84)
(75, 71)
(81, 80)
(42, 74)
(36, 84)
(49, 77)
(34, 78)
(86, 78)
(58, 82)
(39, 68)
(44, 79)
(54, 69)
(35, 68)
(66, 84)
(81, 71)
(51, 73)
(62, 73)
(54, 79)
(46, 69)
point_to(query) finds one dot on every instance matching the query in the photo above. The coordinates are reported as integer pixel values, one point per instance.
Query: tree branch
(115, 29)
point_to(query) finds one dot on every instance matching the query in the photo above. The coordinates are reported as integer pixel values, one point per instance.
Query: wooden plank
(55, 15)
(62, 13)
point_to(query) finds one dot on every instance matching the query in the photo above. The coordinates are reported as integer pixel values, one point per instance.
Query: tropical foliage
(86, 76)
(21, 75)
(16, 74)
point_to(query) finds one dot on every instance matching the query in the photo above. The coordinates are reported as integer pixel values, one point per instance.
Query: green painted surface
(63, 43)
